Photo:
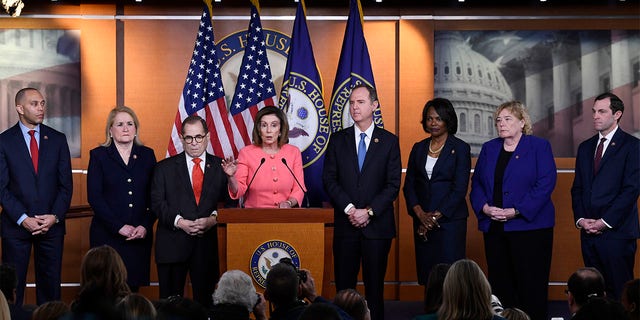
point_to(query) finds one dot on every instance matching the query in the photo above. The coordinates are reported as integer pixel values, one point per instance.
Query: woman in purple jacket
(511, 197)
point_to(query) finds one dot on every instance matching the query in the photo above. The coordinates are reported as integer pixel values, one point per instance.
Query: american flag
(254, 88)
(203, 94)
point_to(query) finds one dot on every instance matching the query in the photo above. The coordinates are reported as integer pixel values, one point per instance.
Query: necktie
(33, 147)
(596, 161)
(196, 179)
(362, 150)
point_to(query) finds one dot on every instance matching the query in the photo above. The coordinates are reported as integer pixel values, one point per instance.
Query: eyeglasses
(189, 139)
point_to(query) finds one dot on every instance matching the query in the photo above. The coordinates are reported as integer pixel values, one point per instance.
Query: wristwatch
(57, 219)
(370, 212)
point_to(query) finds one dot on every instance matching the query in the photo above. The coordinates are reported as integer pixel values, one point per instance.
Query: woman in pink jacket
(265, 173)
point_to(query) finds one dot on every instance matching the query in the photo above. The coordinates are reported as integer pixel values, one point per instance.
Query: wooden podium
(252, 240)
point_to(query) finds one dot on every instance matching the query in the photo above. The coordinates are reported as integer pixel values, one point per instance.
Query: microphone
(253, 177)
(297, 181)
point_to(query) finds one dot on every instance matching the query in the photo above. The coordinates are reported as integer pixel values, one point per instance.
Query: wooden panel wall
(156, 54)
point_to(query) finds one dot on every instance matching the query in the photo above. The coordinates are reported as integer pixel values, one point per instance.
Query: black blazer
(612, 194)
(22, 191)
(447, 188)
(171, 194)
(377, 186)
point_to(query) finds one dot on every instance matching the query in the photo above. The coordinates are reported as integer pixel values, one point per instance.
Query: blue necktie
(362, 150)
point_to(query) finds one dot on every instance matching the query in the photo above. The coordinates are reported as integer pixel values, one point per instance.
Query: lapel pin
(376, 140)
(208, 165)
(613, 143)
(46, 137)
(135, 157)
(517, 157)
(453, 151)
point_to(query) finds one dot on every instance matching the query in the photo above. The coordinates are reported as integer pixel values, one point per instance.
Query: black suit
(22, 191)
(611, 195)
(176, 251)
(376, 187)
(445, 191)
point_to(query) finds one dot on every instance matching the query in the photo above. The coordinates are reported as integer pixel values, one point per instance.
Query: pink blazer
(273, 182)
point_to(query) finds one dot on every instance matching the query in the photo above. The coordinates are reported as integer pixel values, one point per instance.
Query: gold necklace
(435, 151)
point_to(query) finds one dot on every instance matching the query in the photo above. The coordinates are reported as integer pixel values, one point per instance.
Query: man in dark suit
(605, 195)
(362, 177)
(185, 192)
(35, 193)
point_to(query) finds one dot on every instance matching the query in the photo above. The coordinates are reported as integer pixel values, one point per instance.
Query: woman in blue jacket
(511, 197)
(118, 181)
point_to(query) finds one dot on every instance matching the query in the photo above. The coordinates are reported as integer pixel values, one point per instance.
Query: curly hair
(235, 287)
(518, 109)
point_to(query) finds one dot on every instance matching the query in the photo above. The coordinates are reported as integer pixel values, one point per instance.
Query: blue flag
(301, 99)
(354, 68)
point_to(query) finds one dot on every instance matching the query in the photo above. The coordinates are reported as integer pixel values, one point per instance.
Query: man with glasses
(185, 192)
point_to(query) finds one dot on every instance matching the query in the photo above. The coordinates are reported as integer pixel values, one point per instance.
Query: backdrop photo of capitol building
(556, 74)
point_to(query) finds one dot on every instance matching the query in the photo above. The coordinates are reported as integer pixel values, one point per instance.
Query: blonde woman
(466, 294)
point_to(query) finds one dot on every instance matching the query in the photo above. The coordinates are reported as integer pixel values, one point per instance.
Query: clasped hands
(499, 214)
(130, 232)
(39, 224)
(359, 218)
(428, 221)
(592, 226)
(197, 227)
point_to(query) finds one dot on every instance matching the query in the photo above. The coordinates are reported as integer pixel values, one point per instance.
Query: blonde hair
(111, 118)
(519, 111)
(4, 307)
(466, 293)
(50, 311)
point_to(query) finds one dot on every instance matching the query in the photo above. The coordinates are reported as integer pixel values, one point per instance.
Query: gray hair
(235, 287)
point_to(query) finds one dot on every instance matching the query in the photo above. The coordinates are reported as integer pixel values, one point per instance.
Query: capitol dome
(472, 83)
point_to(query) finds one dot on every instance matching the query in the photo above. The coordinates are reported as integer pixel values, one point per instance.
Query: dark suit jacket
(613, 193)
(528, 182)
(376, 186)
(119, 194)
(447, 188)
(171, 194)
(22, 191)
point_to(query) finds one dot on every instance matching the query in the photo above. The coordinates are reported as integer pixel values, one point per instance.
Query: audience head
(515, 314)
(103, 270)
(260, 124)
(136, 307)
(631, 299)
(320, 311)
(282, 285)
(466, 293)
(179, 308)
(4, 307)
(444, 108)
(433, 289)
(111, 122)
(8, 281)
(584, 284)
(51, 310)
(601, 308)
(353, 304)
(235, 287)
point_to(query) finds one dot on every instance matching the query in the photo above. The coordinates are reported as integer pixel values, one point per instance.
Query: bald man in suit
(35, 193)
